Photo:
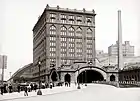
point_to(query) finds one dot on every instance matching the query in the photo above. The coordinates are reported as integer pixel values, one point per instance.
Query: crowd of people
(29, 88)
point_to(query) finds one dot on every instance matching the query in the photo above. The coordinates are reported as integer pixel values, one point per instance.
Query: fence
(120, 83)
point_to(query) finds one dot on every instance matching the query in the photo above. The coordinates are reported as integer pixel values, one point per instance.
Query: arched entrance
(54, 76)
(88, 76)
(112, 78)
(67, 78)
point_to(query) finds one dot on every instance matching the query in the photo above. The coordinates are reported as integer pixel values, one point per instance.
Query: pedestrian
(2, 88)
(25, 91)
(18, 87)
(51, 85)
(35, 87)
(31, 86)
(10, 88)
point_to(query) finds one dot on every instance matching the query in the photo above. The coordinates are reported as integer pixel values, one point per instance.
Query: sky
(18, 17)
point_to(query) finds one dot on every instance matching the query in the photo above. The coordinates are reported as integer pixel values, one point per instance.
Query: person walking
(51, 85)
(25, 91)
(18, 87)
(31, 86)
(2, 89)
(35, 87)
(10, 88)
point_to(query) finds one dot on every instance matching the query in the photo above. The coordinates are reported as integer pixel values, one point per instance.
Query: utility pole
(2, 79)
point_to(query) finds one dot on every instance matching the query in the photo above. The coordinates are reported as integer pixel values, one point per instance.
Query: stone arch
(92, 68)
(67, 78)
(54, 75)
(112, 77)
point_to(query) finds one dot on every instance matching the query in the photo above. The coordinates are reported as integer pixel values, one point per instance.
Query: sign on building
(3, 61)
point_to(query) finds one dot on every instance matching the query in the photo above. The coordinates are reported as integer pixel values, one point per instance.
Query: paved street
(93, 92)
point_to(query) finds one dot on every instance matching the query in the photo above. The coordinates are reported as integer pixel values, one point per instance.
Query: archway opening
(54, 76)
(67, 78)
(88, 76)
(112, 78)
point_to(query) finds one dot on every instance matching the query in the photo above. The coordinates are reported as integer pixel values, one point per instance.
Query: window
(63, 31)
(79, 20)
(71, 19)
(63, 18)
(79, 32)
(71, 31)
(89, 21)
(52, 30)
(52, 17)
(89, 32)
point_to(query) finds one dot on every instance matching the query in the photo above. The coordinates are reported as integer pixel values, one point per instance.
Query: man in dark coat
(2, 89)
(10, 88)
(18, 87)
(26, 91)
(31, 86)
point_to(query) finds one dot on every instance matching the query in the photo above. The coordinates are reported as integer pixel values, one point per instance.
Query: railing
(120, 84)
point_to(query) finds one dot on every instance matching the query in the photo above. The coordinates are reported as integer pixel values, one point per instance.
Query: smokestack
(120, 51)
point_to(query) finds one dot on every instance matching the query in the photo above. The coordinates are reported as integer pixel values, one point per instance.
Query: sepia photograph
(69, 50)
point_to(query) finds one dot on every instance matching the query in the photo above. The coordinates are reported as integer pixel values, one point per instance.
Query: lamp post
(78, 79)
(39, 65)
(85, 78)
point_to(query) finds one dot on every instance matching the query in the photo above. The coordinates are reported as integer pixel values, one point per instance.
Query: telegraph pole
(2, 79)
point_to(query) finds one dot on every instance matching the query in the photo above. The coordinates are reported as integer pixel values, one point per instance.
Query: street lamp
(39, 65)
(85, 78)
(78, 79)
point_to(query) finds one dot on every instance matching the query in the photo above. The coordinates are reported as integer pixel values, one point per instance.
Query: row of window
(70, 19)
(71, 31)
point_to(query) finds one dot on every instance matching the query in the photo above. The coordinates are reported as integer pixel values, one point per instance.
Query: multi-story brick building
(128, 50)
(63, 36)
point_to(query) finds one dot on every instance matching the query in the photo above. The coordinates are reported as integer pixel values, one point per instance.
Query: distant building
(128, 50)
(100, 53)
(23, 74)
(130, 72)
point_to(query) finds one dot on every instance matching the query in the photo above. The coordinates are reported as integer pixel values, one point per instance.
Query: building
(24, 74)
(100, 53)
(131, 72)
(63, 36)
(128, 50)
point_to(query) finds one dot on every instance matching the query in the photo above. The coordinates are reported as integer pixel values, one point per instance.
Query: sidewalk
(48, 91)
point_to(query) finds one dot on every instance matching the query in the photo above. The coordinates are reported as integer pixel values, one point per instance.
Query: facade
(127, 49)
(131, 72)
(62, 36)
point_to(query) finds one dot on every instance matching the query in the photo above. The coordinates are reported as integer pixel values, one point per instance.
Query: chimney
(120, 51)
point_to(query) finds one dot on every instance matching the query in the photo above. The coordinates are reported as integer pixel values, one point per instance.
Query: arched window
(63, 30)
(71, 31)
(52, 30)
(89, 32)
(79, 32)
(63, 49)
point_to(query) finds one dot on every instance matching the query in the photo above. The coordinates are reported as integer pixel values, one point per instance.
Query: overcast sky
(18, 17)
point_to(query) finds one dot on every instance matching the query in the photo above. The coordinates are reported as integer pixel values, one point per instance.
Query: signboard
(3, 61)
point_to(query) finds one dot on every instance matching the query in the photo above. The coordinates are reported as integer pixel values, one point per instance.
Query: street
(93, 92)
